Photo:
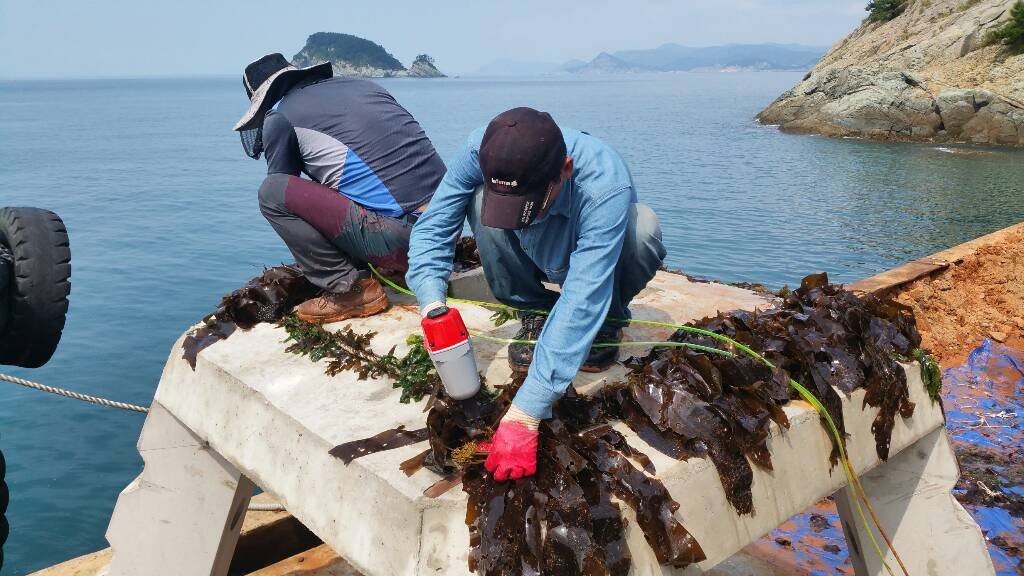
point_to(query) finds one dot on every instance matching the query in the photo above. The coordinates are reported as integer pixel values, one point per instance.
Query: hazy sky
(88, 38)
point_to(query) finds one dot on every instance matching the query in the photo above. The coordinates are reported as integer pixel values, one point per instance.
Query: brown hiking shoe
(366, 298)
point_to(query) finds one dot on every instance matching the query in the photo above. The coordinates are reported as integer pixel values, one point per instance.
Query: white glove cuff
(515, 414)
(426, 309)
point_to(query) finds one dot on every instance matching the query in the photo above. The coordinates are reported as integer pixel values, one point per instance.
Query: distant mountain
(516, 68)
(354, 56)
(674, 57)
(572, 65)
(603, 63)
(658, 58)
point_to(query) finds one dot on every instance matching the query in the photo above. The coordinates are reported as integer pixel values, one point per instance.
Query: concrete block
(182, 515)
(912, 495)
(472, 285)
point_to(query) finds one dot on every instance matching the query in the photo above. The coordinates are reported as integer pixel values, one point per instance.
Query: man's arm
(280, 145)
(581, 309)
(432, 245)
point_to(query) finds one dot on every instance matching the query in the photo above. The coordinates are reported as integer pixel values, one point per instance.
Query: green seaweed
(502, 316)
(344, 349)
(931, 374)
(417, 376)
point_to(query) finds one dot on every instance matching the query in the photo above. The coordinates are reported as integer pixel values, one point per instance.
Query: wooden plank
(320, 561)
(916, 269)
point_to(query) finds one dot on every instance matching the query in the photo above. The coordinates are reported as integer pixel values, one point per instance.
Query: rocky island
(925, 70)
(354, 56)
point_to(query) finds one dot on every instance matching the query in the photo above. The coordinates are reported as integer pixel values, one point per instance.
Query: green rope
(627, 344)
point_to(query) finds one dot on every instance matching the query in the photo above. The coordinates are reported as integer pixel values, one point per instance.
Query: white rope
(253, 506)
(74, 395)
(265, 507)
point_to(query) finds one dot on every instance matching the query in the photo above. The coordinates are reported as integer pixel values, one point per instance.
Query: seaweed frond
(502, 316)
(347, 350)
(931, 374)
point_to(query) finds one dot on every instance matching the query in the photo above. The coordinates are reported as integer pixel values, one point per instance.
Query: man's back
(351, 135)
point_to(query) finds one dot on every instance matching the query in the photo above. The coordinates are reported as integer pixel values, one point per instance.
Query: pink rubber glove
(513, 449)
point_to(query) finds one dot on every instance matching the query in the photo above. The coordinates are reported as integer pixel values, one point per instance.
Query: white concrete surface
(275, 415)
(930, 530)
(182, 515)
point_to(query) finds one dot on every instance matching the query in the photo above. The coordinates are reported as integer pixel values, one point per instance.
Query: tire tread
(40, 285)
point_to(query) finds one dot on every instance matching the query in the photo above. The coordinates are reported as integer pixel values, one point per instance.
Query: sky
(129, 38)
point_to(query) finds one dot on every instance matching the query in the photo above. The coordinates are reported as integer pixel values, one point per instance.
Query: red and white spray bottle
(447, 342)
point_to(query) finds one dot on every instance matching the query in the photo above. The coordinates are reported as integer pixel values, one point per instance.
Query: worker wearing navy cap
(545, 204)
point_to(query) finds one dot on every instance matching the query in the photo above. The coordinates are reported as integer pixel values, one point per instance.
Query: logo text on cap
(511, 184)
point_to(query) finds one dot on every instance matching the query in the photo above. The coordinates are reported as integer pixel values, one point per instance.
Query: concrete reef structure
(251, 413)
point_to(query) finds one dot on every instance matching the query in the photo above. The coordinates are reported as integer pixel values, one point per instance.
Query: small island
(354, 56)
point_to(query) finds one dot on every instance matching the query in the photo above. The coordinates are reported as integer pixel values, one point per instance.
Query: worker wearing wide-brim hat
(544, 203)
(371, 169)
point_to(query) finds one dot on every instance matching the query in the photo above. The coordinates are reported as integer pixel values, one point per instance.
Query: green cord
(804, 392)
(626, 344)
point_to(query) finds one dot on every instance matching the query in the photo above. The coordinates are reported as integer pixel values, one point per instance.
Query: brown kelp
(562, 520)
(386, 440)
(265, 298)
(271, 296)
(466, 255)
(826, 338)
(683, 403)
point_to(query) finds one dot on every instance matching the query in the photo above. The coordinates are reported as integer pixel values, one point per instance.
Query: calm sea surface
(161, 207)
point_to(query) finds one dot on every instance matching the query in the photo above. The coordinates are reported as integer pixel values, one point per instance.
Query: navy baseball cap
(521, 154)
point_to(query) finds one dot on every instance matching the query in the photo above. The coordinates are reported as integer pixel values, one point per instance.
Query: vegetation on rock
(356, 51)
(423, 67)
(885, 10)
(1012, 34)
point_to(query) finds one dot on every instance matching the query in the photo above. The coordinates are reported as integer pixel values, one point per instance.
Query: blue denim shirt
(577, 245)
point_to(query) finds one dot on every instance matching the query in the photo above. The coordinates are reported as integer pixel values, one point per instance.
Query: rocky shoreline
(925, 75)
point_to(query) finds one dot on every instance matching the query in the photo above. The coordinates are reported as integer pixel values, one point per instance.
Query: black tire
(39, 286)
(4, 527)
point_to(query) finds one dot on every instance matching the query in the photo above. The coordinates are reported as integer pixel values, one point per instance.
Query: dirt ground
(980, 297)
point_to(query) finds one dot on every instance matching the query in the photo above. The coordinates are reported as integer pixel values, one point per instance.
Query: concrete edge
(336, 520)
(921, 267)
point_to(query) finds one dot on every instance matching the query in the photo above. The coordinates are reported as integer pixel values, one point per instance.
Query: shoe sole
(596, 369)
(369, 309)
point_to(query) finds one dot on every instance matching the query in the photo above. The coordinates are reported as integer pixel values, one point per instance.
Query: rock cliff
(927, 74)
(423, 67)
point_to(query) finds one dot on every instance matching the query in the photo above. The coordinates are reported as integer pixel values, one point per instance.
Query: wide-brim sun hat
(267, 79)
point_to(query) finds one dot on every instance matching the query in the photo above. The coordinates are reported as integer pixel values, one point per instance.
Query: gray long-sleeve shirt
(352, 135)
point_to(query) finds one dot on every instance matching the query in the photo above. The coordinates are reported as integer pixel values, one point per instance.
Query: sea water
(160, 204)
